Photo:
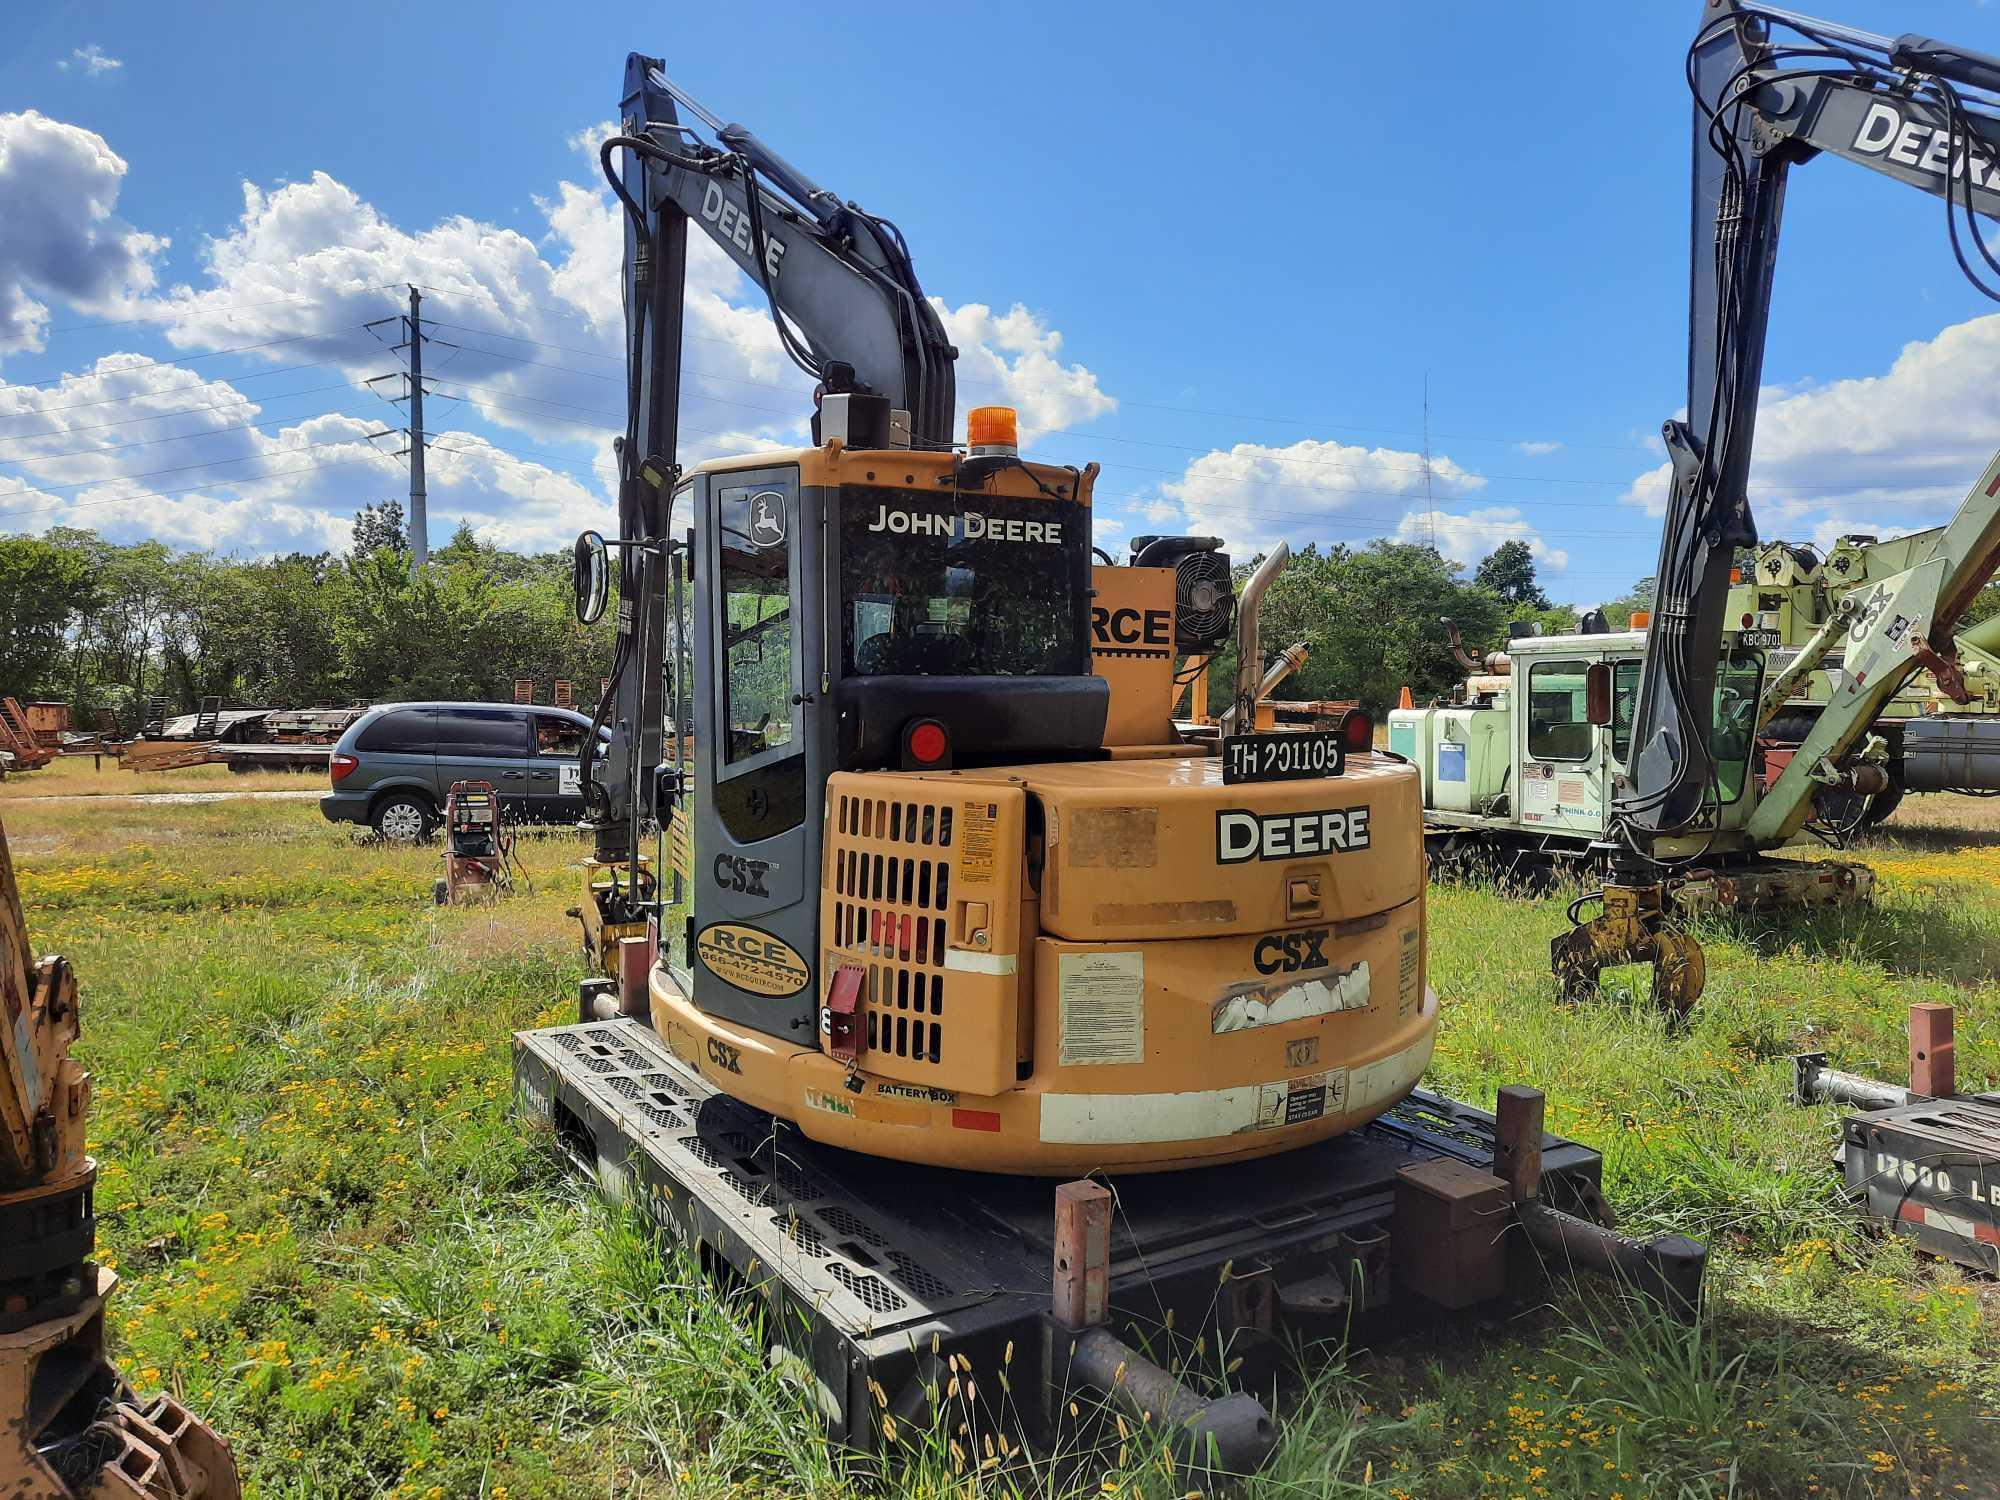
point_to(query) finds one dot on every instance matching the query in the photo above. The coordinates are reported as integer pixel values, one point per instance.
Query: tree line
(1373, 617)
(104, 625)
(113, 626)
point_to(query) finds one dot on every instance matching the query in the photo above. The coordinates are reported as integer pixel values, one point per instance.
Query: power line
(186, 359)
(233, 381)
(188, 411)
(1316, 424)
(48, 510)
(1095, 435)
(177, 316)
(214, 463)
(179, 437)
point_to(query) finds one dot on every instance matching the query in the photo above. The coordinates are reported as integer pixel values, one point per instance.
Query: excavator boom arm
(1761, 107)
(848, 309)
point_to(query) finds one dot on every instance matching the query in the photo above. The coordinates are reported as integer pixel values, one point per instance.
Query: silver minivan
(393, 767)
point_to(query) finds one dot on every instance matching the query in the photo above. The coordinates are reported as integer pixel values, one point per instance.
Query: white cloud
(1015, 359)
(1468, 537)
(58, 235)
(544, 352)
(528, 334)
(1254, 495)
(193, 461)
(1890, 452)
(1537, 449)
(89, 59)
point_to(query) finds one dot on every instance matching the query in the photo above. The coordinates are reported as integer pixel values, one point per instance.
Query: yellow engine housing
(1113, 964)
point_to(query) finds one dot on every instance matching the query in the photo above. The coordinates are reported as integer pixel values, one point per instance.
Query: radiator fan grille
(1204, 601)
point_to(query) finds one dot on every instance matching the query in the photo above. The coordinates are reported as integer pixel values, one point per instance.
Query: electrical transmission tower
(414, 339)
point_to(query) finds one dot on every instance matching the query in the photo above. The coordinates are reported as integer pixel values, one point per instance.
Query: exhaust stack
(1249, 671)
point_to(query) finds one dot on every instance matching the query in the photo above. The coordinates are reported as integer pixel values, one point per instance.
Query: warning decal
(1408, 971)
(681, 846)
(1297, 1100)
(977, 838)
(1538, 791)
(1103, 1006)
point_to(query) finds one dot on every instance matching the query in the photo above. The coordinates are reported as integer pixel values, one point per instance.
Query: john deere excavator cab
(854, 611)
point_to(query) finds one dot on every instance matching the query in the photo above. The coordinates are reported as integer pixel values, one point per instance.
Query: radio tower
(1430, 509)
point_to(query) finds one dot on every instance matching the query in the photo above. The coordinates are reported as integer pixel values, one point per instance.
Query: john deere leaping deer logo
(767, 518)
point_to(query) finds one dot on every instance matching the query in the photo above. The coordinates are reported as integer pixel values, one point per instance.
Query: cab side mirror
(1597, 693)
(590, 577)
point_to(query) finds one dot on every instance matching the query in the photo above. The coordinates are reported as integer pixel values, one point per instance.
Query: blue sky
(1219, 253)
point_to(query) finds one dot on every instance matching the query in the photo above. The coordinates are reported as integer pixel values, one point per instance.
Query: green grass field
(337, 1244)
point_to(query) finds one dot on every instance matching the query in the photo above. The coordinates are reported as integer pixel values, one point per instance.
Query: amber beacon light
(992, 432)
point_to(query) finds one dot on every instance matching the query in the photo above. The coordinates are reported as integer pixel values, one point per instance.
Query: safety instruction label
(1297, 1100)
(1409, 972)
(1571, 791)
(978, 840)
(1103, 1007)
(1538, 791)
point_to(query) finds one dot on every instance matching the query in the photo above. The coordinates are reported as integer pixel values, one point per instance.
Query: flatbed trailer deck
(876, 1274)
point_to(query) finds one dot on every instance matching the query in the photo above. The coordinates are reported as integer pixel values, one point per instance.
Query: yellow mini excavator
(943, 882)
(941, 902)
(69, 1424)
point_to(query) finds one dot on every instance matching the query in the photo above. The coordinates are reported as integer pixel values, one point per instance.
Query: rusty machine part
(1633, 928)
(69, 1424)
(18, 738)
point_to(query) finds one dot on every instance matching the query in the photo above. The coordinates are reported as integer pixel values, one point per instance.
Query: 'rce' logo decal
(1132, 627)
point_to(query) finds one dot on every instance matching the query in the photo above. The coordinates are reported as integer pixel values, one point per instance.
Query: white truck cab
(1522, 751)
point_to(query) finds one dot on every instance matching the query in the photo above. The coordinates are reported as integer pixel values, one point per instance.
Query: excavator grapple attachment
(1633, 928)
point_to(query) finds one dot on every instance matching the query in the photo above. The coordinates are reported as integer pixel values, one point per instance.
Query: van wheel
(403, 819)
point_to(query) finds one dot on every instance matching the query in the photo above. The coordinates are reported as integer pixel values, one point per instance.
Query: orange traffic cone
(1406, 701)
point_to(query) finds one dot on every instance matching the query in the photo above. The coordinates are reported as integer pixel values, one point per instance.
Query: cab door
(759, 757)
(1564, 758)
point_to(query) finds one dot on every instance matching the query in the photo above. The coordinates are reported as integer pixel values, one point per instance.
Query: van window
(401, 731)
(481, 731)
(1558, 726)
(555, 736)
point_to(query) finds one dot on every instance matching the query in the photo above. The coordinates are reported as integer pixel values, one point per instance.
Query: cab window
(1739, 686)
(754, 523)
(1624, 707)
(1558, 728)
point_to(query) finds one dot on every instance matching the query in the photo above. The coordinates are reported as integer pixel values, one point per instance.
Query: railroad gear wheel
(1631, 929)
